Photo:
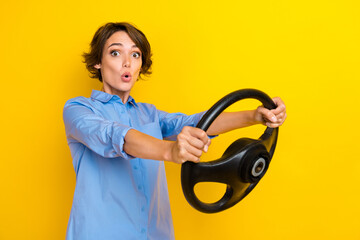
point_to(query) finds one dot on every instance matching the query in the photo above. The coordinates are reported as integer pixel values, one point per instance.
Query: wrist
(167, 150)
(256, 118)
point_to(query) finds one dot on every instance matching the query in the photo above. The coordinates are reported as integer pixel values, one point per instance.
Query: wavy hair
(97, 44)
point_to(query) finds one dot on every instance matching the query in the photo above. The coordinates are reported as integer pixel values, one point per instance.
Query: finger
(282, 120)
(273, 125)
(280, 106)
(279, 110)
(199, 139)
(183, 155)
(189, 157)
(197, 143)
(198, 133)
(206, 147)
(278, 123)
(267, 114)
(193, 151)
(281, 116)
(278, 101)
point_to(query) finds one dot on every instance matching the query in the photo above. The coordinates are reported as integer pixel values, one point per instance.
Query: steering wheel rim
(226, 169)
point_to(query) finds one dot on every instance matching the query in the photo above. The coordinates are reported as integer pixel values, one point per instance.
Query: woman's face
(120, 65)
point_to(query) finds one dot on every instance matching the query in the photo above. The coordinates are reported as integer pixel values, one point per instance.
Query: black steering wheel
(241, 166)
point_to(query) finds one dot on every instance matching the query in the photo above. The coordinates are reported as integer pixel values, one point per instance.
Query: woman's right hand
(189, 145)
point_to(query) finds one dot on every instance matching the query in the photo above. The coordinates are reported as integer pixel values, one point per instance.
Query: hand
(272, 118)
(190, 145)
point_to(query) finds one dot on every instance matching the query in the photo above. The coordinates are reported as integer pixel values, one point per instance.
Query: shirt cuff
(118, 140)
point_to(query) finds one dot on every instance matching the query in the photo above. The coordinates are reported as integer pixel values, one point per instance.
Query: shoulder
(78, 104)
(78, 100)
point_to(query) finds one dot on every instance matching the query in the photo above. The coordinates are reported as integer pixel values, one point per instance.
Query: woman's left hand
(272, 118)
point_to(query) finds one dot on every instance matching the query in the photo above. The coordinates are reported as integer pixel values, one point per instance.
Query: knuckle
(203, 134)
(181, 145)
(269, 114)
(181, 136)
(182, 152)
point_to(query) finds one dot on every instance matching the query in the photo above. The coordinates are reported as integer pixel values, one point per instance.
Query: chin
(125, 87)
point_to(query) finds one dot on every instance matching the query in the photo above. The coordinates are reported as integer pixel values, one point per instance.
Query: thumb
(206, 147)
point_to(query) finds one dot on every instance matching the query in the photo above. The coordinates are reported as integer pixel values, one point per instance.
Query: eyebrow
(120, 44)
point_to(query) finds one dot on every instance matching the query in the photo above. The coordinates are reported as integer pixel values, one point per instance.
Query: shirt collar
(106, 97)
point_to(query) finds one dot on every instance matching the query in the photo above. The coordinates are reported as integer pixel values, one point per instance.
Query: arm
(111, 139)
(229, 121)
(101, 135)
(189, 145)
(191, 141)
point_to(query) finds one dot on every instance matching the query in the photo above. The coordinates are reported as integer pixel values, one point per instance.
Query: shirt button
(139, 187)
(143, 209)
(143, 230)
(135, 167)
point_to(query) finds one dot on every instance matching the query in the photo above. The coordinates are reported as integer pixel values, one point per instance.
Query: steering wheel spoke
(216, 171)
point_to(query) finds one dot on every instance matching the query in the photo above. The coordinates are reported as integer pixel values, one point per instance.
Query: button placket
(121, 113)
(143, 202)
(139, 172)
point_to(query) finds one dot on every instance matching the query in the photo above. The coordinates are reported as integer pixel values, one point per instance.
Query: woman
(120, 193)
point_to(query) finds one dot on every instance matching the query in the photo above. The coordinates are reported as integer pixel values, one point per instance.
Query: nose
(126, 61)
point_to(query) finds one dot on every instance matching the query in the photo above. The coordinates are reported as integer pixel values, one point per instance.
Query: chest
(130, 115)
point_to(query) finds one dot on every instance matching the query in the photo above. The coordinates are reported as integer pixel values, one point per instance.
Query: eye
(115, 53)
(136, 55)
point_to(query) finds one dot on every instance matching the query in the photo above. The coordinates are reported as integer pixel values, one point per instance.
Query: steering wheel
(241, 166)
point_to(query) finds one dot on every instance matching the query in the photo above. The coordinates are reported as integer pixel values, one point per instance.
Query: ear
(97, 66)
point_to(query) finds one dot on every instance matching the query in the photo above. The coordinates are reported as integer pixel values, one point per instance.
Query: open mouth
(126, 77)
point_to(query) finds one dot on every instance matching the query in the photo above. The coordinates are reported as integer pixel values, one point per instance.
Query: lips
(126, 77)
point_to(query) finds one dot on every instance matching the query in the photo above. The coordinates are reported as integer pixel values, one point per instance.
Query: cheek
(111, 68)
(139, 66)
(139, 70)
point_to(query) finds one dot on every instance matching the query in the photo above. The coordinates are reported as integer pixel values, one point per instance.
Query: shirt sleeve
(172, 123)
(103, 136)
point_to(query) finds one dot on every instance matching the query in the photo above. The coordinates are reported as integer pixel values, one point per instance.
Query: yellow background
(306, 52)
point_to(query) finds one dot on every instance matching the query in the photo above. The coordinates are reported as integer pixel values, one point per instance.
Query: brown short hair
(104, 33)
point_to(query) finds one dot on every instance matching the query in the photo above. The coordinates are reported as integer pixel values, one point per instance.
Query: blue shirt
(118, 196)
